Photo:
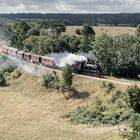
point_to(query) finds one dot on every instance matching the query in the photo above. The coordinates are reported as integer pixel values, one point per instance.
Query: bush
(108, 86)
(51, 81)
(134, 97)
(16, 74)
(83, 115)
(48, 81)
(78, 31)
(97, 106)
(115, 95)
(135, 126)
(2, 80)
(3, 59)
(67, 77)
(8, 66)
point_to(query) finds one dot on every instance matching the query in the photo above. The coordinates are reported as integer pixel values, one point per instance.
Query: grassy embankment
(29, 111)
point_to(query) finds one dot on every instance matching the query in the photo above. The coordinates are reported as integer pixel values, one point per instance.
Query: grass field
(29, 112)
(110, 30)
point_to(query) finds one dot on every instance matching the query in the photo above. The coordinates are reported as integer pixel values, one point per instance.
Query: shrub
(109, 86)
(51, 81)
(134, 97)
(2, 80)
(16, 74)
(78, 31)
(48, 81)
(67, 77)
(135, 126)
(3, 59)
(83, 115)
(8, 66)
(62, 86)
(115, 95)
(97, 106)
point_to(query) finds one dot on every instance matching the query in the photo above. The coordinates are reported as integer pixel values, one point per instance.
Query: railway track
(40, 70)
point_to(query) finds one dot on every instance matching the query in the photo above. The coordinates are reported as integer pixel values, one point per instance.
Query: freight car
(81, 67)
(3, 49)
(36, 58)
(48, 62)
(20, 54)
(27, 57)
(12, 51)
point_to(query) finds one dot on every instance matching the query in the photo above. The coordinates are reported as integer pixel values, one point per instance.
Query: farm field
(29, 112)
(110, 30)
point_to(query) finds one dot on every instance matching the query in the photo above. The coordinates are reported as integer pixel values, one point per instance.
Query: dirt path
(115, 80)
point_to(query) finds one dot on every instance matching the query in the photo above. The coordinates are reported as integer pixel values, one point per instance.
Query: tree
(103, 47)
(21, 27)
(67, 77)
(78, 31)
(57, 29)
(6, 32)
(126, 59)
(20, 30)
(33, 31)
(119, 55)
(88, 31)
(85, 45)
(138, 31)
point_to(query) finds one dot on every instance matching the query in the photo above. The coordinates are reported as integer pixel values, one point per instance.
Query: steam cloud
(29, 67)
(67, 58)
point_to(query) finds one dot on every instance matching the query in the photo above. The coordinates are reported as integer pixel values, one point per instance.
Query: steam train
(81, 67)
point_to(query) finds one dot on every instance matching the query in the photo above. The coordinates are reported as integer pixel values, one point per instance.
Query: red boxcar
(9, 50)
(27, 57)
(12, 51)
(20, 54)
(36, 58)
(48, 62)
(4, 49)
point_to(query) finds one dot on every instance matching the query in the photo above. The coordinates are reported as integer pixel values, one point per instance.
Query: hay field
(29, 112)
(110, 30)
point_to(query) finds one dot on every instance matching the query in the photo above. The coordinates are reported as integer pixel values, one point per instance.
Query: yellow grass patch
(30, 112)
(110, 30)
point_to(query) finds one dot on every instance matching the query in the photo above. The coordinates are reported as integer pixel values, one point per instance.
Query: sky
(70, 6)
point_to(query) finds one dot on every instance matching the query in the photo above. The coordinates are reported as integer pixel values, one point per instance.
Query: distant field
(110, 30)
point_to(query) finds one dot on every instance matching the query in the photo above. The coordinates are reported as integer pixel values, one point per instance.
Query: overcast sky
(69, 6)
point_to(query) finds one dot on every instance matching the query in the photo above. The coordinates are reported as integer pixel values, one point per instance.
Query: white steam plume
(28, 66)
(67, 58)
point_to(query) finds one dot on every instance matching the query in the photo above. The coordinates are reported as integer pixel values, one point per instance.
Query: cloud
(72, 6)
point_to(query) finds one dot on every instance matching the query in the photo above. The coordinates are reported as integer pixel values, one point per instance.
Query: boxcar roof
(45, 57)
(20, 51)
(27, 53)
(35, 55)
(10, 48)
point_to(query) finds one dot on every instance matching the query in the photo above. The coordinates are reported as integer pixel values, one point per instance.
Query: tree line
(119, 55)
(131, 19)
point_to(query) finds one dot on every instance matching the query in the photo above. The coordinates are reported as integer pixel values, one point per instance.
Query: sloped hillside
(29, 111)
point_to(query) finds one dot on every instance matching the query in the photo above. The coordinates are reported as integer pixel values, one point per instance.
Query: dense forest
(123, 19)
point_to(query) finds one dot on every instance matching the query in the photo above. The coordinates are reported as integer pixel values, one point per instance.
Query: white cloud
(72, 6)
